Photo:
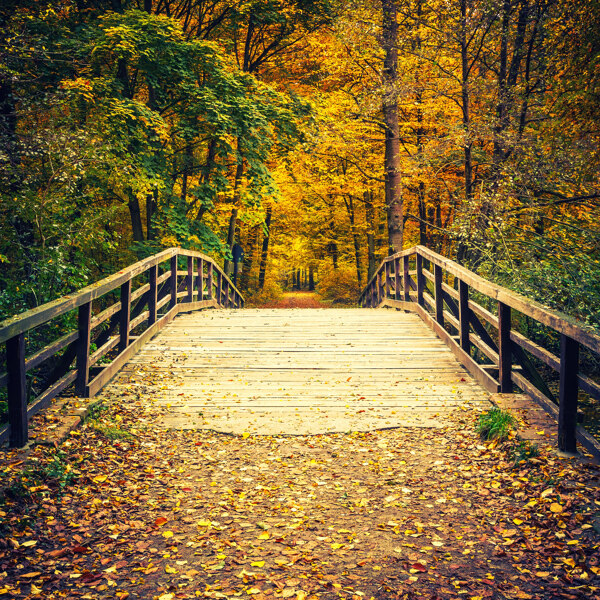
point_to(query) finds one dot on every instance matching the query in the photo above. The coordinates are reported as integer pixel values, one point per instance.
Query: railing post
(17, 391)
(439, 295)
(125, 315)
(569, 390)
(406, 278)
(152, 297)
(464, 316)
(388, 279)
(420, 280)
(190, 279)
(381, 290)
(219, 288)
(504, 348)
(397, 278)
(225, 287)
(173, 282)
(373, 292)
(209, 281)
(200, 282)
(83, 350)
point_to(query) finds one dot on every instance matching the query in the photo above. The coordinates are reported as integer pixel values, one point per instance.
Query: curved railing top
(25, 321)
(557, 320)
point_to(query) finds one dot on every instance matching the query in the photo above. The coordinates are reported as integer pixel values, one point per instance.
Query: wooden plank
(406, 278)
(464, 318)
(105, 314)
(17, 391)
(46, 397)
(439, 295)
(173, 283)
(152, 294)
(104, 349)
(189, 282)
(50, 350)
(398, 304)
(139, 292)
(538, 351)
(138, 320)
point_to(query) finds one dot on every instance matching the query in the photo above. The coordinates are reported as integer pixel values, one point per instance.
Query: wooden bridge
(455, 338)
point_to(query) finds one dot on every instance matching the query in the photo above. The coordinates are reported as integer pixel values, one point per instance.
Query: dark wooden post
(209, 281)
(225, 287)
(397, 279)
(420, 280)
(173, 281)
(569, 390)
(388, 279)
(17, 391)
(83, 350)
(464, 315)
(152, 296)
(439, 295)
(200, 282)
(505, 348)
(406, 278)
(219, 288)
(190, 279)
(125, 315)
(373, 292)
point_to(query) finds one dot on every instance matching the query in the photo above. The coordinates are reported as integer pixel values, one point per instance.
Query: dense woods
(318, 135)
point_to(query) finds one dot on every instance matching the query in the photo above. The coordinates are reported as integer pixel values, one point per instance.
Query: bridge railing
(111, 320)
(486, 340)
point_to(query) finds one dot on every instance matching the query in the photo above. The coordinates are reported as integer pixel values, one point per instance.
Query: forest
(319, 135)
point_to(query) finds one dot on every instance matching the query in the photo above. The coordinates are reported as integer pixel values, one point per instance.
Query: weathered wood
(439, 295)
(420, 280)
(152, 295)
(190, 279)
(105, 315)
(103, 350)
(406, 277)
(140, 292)
(388, 279)
(209, 282)
(505, 348)
(569, 389)
(83, 349)
(464, 315)
(219, 288)
(173, 282)
(200, 279)
(397, 280)
(125, 315)
(17, 390)
(50, 350)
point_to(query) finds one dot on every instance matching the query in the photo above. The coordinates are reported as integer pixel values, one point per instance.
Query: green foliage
(522, 452)
(271, 293)
(111, 432)
(496, 424)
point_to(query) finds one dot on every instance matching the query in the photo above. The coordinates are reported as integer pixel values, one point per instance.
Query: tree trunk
(239, 172)
(393, 191)
(265, 249)
(136, 219)
(370, 219)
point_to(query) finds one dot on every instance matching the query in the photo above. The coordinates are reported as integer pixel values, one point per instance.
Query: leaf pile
(407, 513)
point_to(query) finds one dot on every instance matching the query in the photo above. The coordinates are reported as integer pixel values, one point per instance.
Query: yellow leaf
(258, 563)
(166, 597)
(246, 435)
(569, 561)
(517, 521)
(170, 569)
(336, 546)
(203, 523)
(100, 478)
(167, 534)
(252, 591)
(264, 536)
(555, 507)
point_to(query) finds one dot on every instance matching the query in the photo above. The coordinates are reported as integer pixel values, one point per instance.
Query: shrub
(340, 285)
(496, 424)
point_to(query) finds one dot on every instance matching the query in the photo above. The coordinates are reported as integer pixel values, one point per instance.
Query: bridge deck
(297, 371)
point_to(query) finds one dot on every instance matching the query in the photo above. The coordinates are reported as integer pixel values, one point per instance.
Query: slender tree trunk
(350, 207)
(136, 219)
(239, 172)
(370, 219)
(262, 272)
(393, 191)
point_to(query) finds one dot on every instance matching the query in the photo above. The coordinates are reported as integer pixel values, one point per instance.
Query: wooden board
(299, 371)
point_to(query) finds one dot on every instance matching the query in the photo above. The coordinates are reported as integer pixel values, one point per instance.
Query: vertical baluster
(200, 282)
(439, 295)
(569, 390)
(388, 279)
(152, 295)
(219, 288)
(504, 348)
(420, 280)
(17, 391)
(225, 293)
(397, 279)
(173, 282)
(209, 282)
(406, 278)
(83, 350)
(464, 315)
(190, 279)
(124, 315)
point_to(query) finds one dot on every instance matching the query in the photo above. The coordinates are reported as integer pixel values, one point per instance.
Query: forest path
(297, 300)
(302, 372)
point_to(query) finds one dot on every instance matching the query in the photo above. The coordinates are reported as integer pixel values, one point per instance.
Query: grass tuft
(496, 424)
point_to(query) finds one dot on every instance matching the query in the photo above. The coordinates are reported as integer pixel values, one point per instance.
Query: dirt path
(127, 510)
(297, 300)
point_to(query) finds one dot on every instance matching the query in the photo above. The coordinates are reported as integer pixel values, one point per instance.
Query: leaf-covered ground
(126, 510)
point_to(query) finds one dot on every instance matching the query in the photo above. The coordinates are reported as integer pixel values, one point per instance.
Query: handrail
(202, 285)
(485, 343)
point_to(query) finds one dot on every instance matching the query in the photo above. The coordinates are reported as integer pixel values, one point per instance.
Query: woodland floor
(125, 509)
(297, 300)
